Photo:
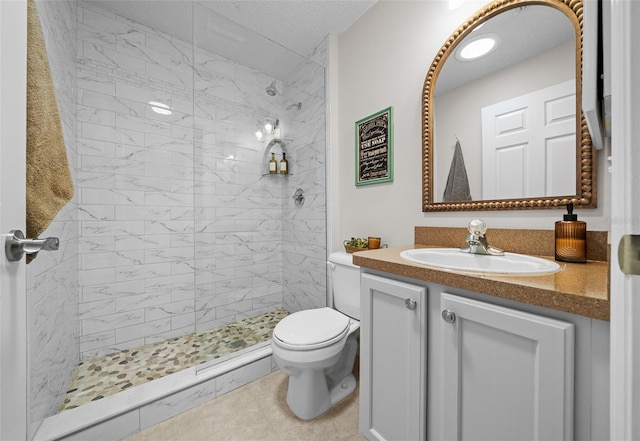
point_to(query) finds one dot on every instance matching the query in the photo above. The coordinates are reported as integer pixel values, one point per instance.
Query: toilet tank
(344, 279)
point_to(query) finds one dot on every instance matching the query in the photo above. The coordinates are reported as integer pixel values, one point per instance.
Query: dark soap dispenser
(571, 238)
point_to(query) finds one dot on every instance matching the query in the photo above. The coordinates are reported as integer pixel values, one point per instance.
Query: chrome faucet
(477, 240)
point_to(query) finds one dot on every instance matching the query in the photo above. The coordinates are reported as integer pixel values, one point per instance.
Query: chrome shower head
(298, 105)
(271, 90)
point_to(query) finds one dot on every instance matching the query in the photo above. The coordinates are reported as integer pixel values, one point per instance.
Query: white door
(625, 212)
(508, 374)
(13, 354)
(532, 132)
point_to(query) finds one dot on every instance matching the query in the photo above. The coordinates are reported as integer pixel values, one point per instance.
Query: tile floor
(256, 411)
(110, 374)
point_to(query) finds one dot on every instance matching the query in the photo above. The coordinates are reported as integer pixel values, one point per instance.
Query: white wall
(383, 61)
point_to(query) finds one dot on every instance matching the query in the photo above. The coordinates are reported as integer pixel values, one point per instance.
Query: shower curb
(128, 412)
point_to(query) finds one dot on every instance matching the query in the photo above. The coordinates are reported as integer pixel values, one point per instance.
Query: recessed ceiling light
(477, 47)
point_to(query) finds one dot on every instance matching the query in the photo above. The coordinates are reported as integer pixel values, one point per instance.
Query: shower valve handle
(16, 246)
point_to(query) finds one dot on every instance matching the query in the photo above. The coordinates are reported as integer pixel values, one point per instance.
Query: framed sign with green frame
(374, 148)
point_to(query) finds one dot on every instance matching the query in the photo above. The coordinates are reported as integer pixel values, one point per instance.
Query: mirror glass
(500, 131)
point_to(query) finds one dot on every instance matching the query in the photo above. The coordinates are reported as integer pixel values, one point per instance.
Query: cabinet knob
(448, 316)
(410, 304)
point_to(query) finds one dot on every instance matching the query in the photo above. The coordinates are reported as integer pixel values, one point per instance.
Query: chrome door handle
(16, 246)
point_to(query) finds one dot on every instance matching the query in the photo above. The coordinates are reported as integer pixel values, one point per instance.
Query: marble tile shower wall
(52, 278)
(169, 200)
(305, 228)
(238, 208)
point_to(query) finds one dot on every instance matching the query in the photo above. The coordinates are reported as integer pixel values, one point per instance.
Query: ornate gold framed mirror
(507, 131)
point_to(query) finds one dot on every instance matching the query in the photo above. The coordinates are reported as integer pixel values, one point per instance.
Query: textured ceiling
(270, 36)
(297, 25)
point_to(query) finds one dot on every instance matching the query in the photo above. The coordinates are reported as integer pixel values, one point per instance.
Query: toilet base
(312, 392)
(341, 391)
(323, 397)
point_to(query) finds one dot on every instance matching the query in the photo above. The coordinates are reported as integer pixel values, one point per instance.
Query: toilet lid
(312, 327)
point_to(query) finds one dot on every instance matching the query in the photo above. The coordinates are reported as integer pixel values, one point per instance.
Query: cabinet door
(392, 360)
(508, 375)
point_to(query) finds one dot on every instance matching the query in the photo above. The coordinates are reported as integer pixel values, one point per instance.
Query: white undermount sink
(454, 259)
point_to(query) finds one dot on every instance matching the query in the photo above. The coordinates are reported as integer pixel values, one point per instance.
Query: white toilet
(317, 347)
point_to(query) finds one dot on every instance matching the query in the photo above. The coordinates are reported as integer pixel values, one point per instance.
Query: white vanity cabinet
(392, 359)
(508, 374)
(469, 366)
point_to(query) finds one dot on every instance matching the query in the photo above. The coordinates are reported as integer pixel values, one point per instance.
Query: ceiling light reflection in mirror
(478, 47)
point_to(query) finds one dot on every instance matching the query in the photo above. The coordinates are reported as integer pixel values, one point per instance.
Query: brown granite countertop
(578, 288)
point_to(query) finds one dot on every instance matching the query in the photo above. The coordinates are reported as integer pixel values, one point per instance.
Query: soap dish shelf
(282, 142)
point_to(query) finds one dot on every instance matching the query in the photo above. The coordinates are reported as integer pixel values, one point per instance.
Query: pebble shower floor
(110, 374)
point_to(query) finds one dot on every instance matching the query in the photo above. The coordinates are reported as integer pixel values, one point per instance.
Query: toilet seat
(311, 329)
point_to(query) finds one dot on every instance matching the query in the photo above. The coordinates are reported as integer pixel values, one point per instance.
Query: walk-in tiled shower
(174, 230)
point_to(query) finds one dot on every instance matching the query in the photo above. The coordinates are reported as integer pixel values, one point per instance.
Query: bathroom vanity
(454, 355)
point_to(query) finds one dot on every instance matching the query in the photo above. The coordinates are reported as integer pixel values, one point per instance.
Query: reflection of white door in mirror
(528, 144)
